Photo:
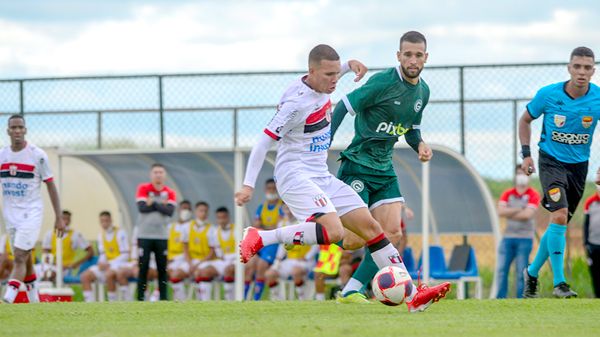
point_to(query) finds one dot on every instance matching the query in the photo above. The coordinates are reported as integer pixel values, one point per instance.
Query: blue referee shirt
(569, 123)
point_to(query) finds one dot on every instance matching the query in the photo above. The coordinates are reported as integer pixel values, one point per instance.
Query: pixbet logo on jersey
(391, 129)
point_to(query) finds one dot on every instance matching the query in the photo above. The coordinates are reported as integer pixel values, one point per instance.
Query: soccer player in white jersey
(323, 204)
(23, 168)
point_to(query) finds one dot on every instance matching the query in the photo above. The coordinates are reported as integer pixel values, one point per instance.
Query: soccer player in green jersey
(388, 106)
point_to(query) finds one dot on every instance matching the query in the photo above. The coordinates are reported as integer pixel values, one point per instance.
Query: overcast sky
(73, 37)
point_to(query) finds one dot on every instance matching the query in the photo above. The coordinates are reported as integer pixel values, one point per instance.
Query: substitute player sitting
(323, 204)
(178, 265)
(268, 216)
(200, 244)
(571, 111)
(23, 167)
(113, 249)
(294, 263)
(223, 265)
(72, 242)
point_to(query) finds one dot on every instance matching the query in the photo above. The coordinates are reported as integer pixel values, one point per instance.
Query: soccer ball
(391, 285)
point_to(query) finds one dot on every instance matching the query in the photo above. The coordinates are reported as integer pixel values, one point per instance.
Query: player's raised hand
(425, 152)
(244, 195)
(358, 68)
(528, 166)
(59, 227)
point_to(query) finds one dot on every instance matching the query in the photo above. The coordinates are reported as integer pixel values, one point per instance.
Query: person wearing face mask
(518, 206)
(268, 216)
(591, 234)
(177, 250)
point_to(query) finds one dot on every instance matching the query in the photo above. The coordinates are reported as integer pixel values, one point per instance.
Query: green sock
(362, 276)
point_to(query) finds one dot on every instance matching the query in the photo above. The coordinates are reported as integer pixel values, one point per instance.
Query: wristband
(525, 151)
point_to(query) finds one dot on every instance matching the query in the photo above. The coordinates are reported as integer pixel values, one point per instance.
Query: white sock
(275, 291)
(125, 294)
(112, 296)
(32, 292)
(300, 291)
(155, 295)
(12, 290)
(178, 291)
(204, 291)
(300, 234)
(88, 296)
(229, 291)
(389, 256)
(352, 285)
(147, 294)
(320, 297)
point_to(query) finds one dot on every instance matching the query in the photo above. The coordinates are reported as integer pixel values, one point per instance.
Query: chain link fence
(473, 110)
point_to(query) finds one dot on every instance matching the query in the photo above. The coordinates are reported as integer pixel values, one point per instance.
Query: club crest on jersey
(418, 105)
(328, 114)
(298, 238)
(560, 120)
(320, 200)
(12, 170)
(554, 194)
(357, 185)
(587, 121)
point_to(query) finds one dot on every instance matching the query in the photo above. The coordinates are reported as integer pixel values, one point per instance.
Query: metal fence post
(235, 128)
(99, 130)
(161, 112)
(515, 135)
(461, 88)
(21, 98)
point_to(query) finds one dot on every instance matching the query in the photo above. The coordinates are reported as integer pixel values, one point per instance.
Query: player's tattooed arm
(59, 225)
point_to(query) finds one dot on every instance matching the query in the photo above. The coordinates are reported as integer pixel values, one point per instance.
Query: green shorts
(374, 187)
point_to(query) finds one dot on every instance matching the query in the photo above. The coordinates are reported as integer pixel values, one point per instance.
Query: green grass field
(544, 317)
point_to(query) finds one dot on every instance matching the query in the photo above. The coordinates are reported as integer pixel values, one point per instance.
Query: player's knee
(335, 233)
(394, 235)
(560, 216)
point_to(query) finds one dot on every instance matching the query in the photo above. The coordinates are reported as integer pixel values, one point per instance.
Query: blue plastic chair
(409, 260)
(74, 279)
(471, 269)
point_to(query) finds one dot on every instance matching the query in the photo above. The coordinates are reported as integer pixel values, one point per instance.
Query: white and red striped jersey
(21, 174)
(302, 127)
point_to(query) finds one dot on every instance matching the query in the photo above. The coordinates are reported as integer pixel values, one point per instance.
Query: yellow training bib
(198, 244)
(68, 253)
(175, 243)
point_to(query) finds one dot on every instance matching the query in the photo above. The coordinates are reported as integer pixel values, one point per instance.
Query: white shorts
(219, 265)
(306, 197)
(135, 263)
(23, 237)
(114, 266)
(287, 266)
(179, 263)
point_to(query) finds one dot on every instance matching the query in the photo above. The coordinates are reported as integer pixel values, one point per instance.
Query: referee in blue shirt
(570, 110)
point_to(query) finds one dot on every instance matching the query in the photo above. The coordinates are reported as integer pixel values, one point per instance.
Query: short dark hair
(105, 213)
(201, 203)
(413, 37)
(185, 202)
(583, 52)
(15, 116)
(222, 209)
(66, 212)
(322, 52)
(270, 181)
(157, 165)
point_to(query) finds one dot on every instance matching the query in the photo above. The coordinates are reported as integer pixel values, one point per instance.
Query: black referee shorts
(562, 183)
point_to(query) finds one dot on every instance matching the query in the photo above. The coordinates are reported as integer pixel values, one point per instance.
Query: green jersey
(386, 107)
